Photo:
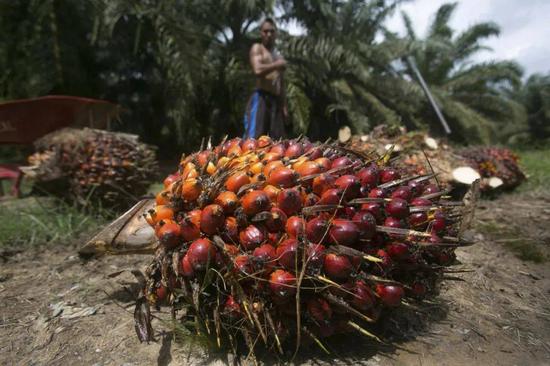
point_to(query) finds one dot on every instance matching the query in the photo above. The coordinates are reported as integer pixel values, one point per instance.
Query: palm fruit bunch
(289, 242)
(89, 165)
(496, 163)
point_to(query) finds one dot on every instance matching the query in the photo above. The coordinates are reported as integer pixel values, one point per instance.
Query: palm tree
(535, 96)
(472, 95)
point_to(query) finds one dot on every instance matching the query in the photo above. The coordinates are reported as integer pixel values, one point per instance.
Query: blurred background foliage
(180, 68)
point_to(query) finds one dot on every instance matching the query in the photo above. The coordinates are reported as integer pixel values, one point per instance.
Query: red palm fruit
(418, 290)
(161, 293)
(231, 249)
(235, 151)
(366, 223)
(294, 150)
(344, 232)
(317, 230)
(314, 153)
(275, 238)
(374, 208)
(337, 267)
(311, 200)
(264, 140)
(189, 231)
(363, 297)
(416, 187)
(278, 149)
(160, 212)
(398, 208)
(254, 202)
(315, 256)
(231, 308)
(308, 168)
(403, 192)
(323, 182)
(438, 224)
(237, 141)
(236, 181)
(228, 201)
(249, 145)
(200, 253)
(191, 189)
(186, 267)
(257, 178)
(270, 157)
(389, 174)
(350, 184)
(418, 201)
(230, 230)
(418, 220)
(377, 193)
(212, 219)
(282, 284)
(286, 253)
(332, 196)
(194, 216)
(394, 223)
(169, 233)
(397, 250)
(163, 197)
(386, 259)
(171, 179)
(390, 295)
(251, 237)
(282, 177)
(272, 192)
(430, 188)
(295, 226)
(277, 221)
(369, 176)
(290, 201)
(187, 169)
(265, 255)
(342, 161)
(323, 162)
(243, 264)
(319, 309)
(203, 157)
(256, 168)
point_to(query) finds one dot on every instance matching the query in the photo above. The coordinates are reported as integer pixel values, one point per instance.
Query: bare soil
(59, 310)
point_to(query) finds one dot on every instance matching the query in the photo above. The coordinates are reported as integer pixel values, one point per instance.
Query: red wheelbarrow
(23, 121)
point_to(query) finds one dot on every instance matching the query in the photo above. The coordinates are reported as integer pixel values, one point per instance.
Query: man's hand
(281, 63)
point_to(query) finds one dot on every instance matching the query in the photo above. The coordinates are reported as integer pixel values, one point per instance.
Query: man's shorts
(264, 116)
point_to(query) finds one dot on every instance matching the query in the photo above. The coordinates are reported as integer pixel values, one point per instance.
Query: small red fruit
(254, 202)
(390, 295)
(337, 267)
(282, 284)
(251, 237)
(295, 226)
(200, 253)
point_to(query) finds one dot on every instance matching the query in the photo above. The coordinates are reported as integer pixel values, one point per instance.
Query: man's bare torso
(270, 82)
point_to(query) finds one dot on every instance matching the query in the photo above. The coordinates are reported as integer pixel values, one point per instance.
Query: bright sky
(524, 24)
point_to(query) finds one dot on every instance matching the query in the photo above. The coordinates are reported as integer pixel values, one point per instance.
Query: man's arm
(260, 69)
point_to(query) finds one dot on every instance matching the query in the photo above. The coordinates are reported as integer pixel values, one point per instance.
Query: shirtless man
(266, 109)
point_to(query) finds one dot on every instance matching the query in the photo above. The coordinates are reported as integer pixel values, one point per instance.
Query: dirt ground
(58, 310)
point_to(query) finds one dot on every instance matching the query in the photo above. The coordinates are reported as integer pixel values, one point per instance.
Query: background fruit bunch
(495, 162)
(92, 166)
(291, 242)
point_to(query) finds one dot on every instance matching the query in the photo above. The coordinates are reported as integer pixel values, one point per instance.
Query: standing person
(266, 110)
